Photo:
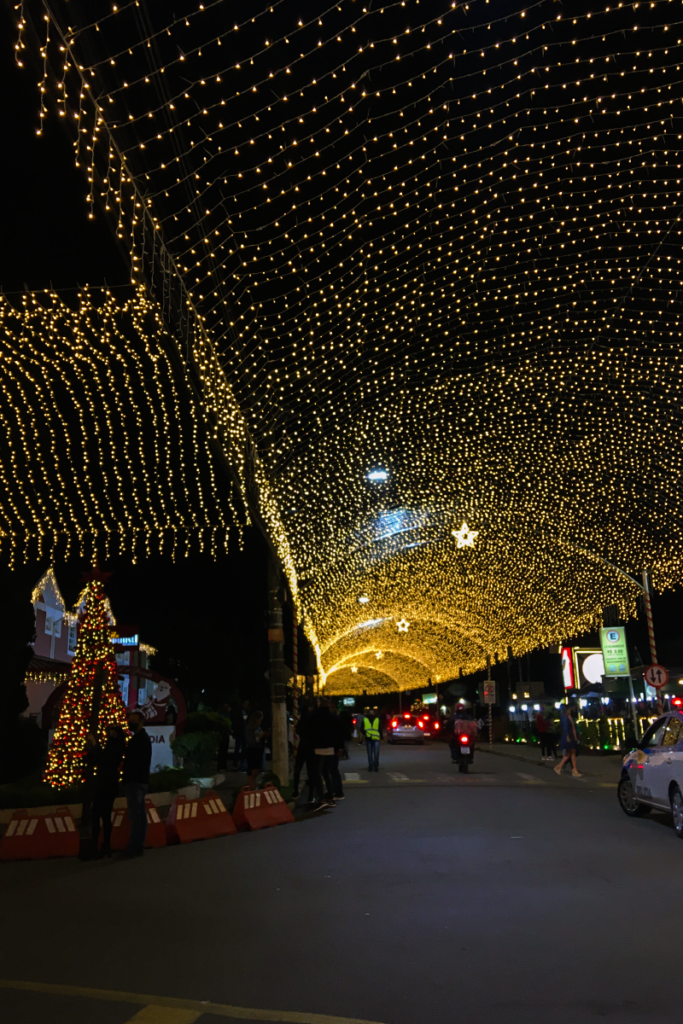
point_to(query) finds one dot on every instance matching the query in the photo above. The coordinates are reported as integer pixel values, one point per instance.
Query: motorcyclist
(461, 721)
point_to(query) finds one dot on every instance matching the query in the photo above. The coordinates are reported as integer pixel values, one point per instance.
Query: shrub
(24, 745)
(197, 749)
(169, 779)
(208, 721)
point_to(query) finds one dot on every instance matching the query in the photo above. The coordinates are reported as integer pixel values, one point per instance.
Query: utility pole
(647, 598)
(278, 674)
(488, 679)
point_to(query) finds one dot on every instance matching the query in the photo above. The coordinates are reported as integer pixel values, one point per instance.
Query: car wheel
(628, 801)
(677, 811)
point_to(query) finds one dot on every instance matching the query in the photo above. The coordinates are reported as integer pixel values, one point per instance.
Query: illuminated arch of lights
(422, 263)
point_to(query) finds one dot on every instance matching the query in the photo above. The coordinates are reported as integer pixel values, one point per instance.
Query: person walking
(255, 740)
(542, 733)
(136, 765)
(569, 741)
(372, 736)
(107, 762)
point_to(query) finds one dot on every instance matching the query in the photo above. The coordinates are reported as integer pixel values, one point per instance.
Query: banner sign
(614, 651)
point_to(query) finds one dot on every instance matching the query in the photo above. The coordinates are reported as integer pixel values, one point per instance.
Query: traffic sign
(489, 693)
(657, 676)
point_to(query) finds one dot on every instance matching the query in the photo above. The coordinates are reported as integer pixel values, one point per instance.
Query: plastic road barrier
(261, 808)
(38, 836)
(120, 828)
(205, 818)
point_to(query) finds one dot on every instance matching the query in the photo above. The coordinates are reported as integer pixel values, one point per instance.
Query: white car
(652, 774)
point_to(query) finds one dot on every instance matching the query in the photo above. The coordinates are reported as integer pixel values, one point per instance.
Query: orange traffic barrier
(261, 808)
(120, 828)
(32, 836)
(206, 818)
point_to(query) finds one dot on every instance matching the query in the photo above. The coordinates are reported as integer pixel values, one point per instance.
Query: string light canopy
(440, 241)
(102, 449)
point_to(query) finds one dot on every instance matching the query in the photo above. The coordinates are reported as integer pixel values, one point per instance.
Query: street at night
(429, 898)
(341, 505)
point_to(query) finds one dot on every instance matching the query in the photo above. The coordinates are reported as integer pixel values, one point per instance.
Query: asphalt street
(509, 894)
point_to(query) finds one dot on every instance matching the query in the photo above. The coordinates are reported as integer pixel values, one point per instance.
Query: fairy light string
(432, 237)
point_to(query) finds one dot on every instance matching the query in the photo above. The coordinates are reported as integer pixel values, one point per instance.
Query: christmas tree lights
(92, 701)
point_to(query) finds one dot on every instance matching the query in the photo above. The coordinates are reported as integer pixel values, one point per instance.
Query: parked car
(652, 773)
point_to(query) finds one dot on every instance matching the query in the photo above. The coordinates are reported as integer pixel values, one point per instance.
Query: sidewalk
(605, 767)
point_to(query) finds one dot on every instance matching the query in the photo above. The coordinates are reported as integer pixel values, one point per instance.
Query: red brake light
(464, 738)
(426, 718)
(394, 723)
(421, 725)
(436, 725)
(677, 701)
(406, 716)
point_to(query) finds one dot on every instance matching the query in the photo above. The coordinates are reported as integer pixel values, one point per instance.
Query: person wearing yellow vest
(372, 734)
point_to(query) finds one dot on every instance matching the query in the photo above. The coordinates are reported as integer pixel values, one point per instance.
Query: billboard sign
(567, 668)
(614, 651)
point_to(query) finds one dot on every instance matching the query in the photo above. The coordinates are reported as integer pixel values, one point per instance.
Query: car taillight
(406, 716)
(421, 725)
(436, 725)
(394, 723)
(464, 738)
(426, 718)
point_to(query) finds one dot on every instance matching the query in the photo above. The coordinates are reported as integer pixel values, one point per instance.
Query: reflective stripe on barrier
(37, 836)
(261, 808)
(206, 818)
(120, 828)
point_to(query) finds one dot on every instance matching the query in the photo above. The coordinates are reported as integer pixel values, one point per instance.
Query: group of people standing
(112, 761)
(323, 735)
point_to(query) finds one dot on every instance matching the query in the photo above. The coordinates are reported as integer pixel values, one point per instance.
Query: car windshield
(653, 736)
(404, 722)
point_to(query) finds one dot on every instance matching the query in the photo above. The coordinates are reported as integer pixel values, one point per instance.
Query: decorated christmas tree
(93, 699)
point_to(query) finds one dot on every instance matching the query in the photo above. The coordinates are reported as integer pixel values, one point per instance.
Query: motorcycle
(462, 751)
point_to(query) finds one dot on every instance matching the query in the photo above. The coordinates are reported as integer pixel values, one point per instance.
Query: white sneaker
(551, 758)
(542, 760)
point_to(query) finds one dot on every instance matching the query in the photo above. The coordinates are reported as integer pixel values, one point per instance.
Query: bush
(208, 721)
(198, 750)
(169, 779)
(24, 745)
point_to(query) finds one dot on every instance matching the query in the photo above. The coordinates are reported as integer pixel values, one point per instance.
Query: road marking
(167, 1002)
(353, 777)
(164, 1015)
(531, 778)
(398, 777)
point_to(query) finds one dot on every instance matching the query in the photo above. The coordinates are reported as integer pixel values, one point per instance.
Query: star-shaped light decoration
(354, 669)
(465, 537)
(378, 655)
(403, 626)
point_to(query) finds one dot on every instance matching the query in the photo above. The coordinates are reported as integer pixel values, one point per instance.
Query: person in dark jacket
(136, 765)
(324, 736)
(107, 762)
(346, 719)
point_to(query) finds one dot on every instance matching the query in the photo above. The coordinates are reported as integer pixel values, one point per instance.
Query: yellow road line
(196, 1005)
(164, 1015)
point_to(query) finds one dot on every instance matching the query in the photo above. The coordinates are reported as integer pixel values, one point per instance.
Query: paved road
(508, 895)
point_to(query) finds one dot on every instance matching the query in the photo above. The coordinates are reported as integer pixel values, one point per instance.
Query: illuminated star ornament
(403, 625)
(378, 655)
(465, 537)
(354, 669)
